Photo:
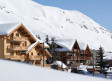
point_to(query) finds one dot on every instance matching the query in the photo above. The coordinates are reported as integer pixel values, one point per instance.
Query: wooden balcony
(16, 57)
(80, 58)
(34, 57)
(45, 65)
(17, 48)
(18, 39)
(7, 56)
(75, 58)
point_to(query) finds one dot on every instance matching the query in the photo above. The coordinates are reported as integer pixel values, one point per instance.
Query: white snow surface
(82, 46)
(107, 56)
(37, 40)
(60, 64)
(52, 21)
(66, 44)
(83, 67)
(14, 71)
(5, 29)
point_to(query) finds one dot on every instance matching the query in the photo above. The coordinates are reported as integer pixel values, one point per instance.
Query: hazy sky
(99, 10)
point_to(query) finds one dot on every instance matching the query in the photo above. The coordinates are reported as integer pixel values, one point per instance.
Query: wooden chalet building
(18, 44)
(35, 54)
(73, 53)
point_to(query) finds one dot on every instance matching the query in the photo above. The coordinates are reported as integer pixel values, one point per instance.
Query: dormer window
(17, 34)
(31, 53)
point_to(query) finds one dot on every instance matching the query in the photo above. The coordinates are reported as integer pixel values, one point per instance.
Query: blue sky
(99, 10)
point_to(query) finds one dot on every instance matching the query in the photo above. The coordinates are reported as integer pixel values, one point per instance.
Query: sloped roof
(108, 56)
(38, 41)
(82, 46)
(6, 28)
(66, 44)
(35, 44)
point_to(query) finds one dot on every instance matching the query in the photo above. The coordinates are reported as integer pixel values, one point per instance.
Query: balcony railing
(45, 65)
(16, 57)
(75, 58)
(19, 39)
(34, 57)
(17, 48)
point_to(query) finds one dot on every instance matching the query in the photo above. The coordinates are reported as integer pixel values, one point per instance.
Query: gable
(38, 46)
(24, 31)
(5, 29)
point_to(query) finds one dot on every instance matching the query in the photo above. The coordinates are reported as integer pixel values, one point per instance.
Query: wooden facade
(15, 45)
(76, 56)
(35, 55)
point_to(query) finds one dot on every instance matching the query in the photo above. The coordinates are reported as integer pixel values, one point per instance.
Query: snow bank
(13, 71)
(60, 64)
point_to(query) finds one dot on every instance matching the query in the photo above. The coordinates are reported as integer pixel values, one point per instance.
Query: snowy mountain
(45, 20)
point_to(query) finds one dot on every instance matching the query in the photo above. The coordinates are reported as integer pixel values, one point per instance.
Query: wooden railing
(15, 57)
(34, 57)
(19, 39)
(17, 48)
(45, 65)
(75, 58)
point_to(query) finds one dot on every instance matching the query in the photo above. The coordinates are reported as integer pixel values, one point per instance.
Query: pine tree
(100, 56)
(38, 37)
(53, 48)
(47, 39)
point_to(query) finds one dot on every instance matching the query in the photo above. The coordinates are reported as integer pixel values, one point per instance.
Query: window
(74, 54)
(31, 53)
(12, 52)
(38, 54)
(12, 36)
(23, 44)
(17, 34)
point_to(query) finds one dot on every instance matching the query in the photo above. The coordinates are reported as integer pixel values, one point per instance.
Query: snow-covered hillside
(44, 20)
(13, 71)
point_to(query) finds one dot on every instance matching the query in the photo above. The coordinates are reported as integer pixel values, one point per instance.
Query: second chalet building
(73, 53)
(18, 44)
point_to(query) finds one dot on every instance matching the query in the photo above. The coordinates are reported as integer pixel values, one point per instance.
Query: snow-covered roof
(66, 44)
(82, 46)
(6, 28)
(16, 71)
(40, 41)
(107, 56)
(89, 67)
(83, 67)
(60, 64)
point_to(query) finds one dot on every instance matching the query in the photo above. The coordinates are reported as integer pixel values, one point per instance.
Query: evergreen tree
(47, 39)
(53, 48)
(38, 37)
(49, 60)
(100, 56)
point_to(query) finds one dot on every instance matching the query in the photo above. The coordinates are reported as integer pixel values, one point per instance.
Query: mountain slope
(45, 20)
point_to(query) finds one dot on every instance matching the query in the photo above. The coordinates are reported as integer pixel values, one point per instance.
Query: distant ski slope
(45, 20)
